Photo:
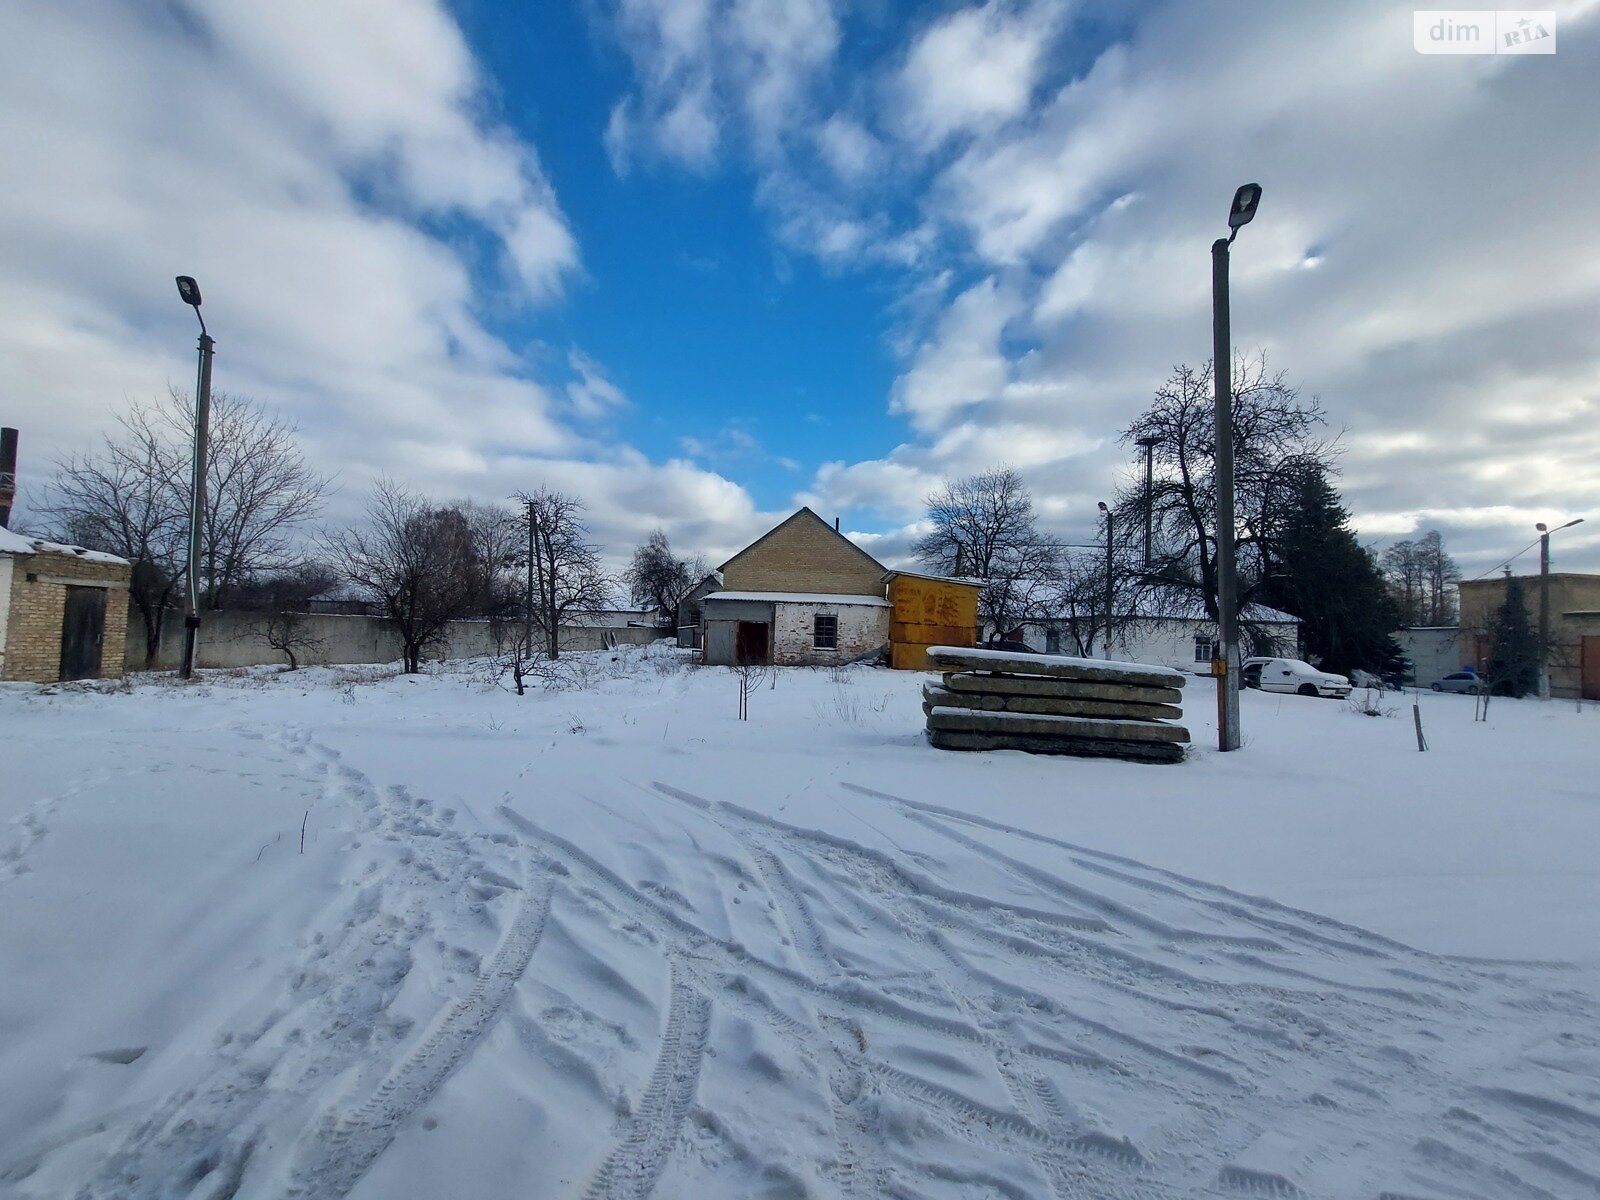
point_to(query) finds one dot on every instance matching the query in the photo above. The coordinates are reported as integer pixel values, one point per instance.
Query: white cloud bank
(302, 160)
(1421, 258)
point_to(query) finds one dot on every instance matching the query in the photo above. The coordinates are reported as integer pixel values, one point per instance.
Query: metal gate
(1591, 668)
(83, 632)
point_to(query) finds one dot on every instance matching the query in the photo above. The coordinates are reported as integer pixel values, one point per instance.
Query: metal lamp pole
(1149, 444)
(190, 291)
(1226, 664)
(1110, 578)
(1544, 602)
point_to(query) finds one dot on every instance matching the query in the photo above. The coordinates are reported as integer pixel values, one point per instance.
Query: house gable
(804, 554)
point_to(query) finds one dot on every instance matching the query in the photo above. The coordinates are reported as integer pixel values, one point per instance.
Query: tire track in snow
(635, 1165)
(348, 1143)
(1063, 1157)
(1236, 905)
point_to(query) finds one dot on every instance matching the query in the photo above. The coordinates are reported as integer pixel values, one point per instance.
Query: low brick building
(57, 605)
(1574, 627)
(804, 594)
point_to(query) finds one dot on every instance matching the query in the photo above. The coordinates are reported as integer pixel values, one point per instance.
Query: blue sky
(701, 261)
(769, 362)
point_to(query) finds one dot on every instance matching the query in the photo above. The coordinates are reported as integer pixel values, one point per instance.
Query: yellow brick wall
(33, 628)
(803, 555)
(1481, 600)
(929, 612)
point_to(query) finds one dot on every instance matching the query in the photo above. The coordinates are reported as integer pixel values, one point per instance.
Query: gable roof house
(804, 594)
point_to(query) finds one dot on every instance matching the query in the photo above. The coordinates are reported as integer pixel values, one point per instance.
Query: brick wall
(804, 554)
(38, 602)
(863, 628)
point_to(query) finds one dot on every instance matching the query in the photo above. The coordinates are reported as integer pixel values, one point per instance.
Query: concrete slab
(1061, 689)
(935, 696)
(1028, 724)
(1055, 666)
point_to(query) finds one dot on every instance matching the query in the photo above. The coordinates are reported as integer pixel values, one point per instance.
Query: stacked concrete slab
(1048, 704)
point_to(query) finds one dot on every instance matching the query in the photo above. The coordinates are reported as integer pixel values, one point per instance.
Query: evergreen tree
(1321, 574)
(1513, 646)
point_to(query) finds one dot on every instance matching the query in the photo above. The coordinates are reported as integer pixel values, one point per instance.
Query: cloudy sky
(699, 261)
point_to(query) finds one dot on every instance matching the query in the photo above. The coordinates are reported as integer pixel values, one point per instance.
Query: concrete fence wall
(238, 639)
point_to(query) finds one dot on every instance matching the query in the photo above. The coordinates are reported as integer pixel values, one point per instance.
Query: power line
(1507, 562)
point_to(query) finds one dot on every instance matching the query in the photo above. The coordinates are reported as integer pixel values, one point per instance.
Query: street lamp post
(190, 291)
(1110, 577)
(1226, 664)
(1149, 444)
(1544, 602)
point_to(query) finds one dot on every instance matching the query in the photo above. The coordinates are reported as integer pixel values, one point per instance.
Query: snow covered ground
(611, 942)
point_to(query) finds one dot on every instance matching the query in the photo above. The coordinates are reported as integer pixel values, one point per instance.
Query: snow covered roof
(963, 579)
(12, 542)
(798, 598)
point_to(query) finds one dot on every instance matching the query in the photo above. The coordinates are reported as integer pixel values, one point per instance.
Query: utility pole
(1225, 667)
(8, 474)
(1149, 443)
(189, 290)
(1544, 602)
(1110, 577)
(533, 549)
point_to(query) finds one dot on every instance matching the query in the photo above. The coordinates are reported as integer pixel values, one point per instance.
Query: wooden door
(83, 632)
(751, 645)
(1591, 668)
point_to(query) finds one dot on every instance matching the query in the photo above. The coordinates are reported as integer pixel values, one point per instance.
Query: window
(825, 631)
(1052, 640)
(1204, 649)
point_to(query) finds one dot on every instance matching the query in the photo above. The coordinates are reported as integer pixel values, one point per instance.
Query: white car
(1292, 675)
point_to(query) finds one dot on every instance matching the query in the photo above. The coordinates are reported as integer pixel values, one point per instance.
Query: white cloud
(849, 150)
(293, 158)
(974, 69)
(702, 66)
(963, 364)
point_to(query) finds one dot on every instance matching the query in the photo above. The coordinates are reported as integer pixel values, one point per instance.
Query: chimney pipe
(8, 474)
(836, 524)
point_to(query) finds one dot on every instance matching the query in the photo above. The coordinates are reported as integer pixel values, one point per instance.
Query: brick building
(57, 605)
(1574, 627)
(804, 594)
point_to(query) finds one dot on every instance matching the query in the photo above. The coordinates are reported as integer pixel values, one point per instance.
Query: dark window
(825, 632)
(1052, 640)
(1203, 647)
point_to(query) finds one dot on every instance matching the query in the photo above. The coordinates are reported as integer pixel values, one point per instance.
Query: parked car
(1292, 675)
(1012, 646)
(1459, 681)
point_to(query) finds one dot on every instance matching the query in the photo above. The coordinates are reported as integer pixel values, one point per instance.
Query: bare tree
(659, 578)
(567, 578)
(259, 490)
(984, 527)
(132, 498)
(416, 559)
(291, 635)
(1404, 573)
(1276, 447)
(282, 598)
(128, 499)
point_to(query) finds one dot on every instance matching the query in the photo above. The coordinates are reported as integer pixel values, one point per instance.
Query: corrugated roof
(798, 598)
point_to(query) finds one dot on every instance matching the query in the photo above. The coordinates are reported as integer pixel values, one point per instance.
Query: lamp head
(1244, 205)
(1541, 527)
(189, 290)
(1103, 507)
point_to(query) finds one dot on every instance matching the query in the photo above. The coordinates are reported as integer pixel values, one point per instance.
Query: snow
(968, 658)
(608, 940)
(12, 542)
(800, 598)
